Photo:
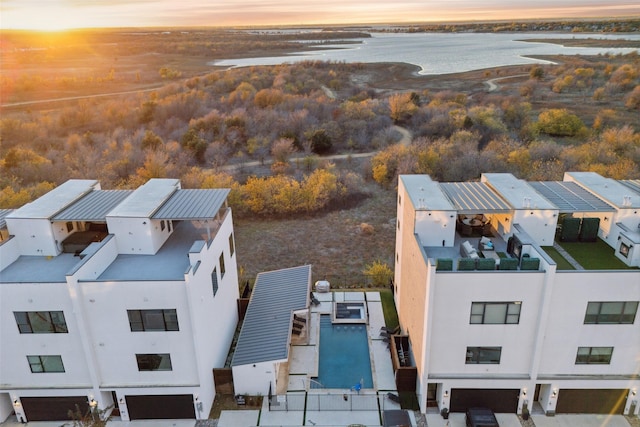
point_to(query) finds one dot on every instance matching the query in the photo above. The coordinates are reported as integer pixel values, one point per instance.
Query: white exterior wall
(452, 333)
(214, 318)
(566, 329)
(14, 369)
(539, 224)
(435, 227)
(610, 231)
(105, 307)
(9, 252)
(255, 379)
(136, 235)
(34, 236)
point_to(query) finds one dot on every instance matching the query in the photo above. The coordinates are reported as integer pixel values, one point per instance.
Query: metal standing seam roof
(570, 197)
(4, 213)
(192, 204)
(633, 184)
(472, 197)
(266, 329)
(94, 206)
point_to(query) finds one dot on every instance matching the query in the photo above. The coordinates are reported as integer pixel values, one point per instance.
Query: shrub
(379, 272)
(559, 122)
(366, 228)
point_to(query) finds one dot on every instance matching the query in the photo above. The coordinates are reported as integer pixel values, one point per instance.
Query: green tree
(321, 142)
(379, 273)
(559, 122)
(402, 106)
(193, 141)
(151, 141)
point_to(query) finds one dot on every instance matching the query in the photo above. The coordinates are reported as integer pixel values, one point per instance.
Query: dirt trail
(492, 86)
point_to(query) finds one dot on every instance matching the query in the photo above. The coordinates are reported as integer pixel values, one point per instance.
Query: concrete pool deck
(303, 358)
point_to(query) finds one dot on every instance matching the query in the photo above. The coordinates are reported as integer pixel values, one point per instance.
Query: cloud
(297, 12)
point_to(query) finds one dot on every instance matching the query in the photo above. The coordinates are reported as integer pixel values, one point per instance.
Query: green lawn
(389, 308)
(562, 263)
(594, 256)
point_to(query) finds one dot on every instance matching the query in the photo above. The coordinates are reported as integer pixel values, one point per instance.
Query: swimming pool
(344, 355)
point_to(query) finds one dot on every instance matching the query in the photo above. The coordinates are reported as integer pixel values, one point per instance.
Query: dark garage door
(591, 401)
(162, 407)
(498, 400)
(53, 408)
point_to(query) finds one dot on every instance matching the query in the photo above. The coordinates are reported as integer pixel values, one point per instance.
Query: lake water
(437, 53)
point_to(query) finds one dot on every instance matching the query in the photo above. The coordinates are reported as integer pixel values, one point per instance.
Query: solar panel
(570, 197)
(474, 197)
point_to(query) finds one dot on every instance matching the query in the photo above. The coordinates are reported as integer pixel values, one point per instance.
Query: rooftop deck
(39, 269)
(169, 263)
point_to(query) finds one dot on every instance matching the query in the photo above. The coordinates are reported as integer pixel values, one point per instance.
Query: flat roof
(94, 206)
(266, 329)
(55, 200)
(147, 199)
(614, 192)
(474, 197)
(169, 263)
(39, 269)
(569, 197)
(517, 192)
(425, 193)
(193, 204)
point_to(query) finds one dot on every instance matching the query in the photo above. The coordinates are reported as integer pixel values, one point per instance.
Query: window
(154, 362)
(40, 322)
(162, 225)
(222, 265)
(45, 364)
(69, 226)
(594, 355)
(153, 320)
(214, 281)
(483, 355)
(231, 245)
(614, 312)
(169, 225)
(495, 313)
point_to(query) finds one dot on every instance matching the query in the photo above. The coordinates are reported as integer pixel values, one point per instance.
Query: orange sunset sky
(61, 14)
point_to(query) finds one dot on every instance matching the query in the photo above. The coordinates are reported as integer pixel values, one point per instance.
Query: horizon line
(339, 25)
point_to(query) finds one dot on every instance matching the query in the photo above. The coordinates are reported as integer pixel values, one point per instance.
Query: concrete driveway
(456, 419)
(580, 420)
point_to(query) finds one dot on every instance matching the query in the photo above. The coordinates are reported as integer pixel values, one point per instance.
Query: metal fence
(332, 401)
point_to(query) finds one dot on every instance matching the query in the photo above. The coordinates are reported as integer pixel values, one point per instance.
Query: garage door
(53, 408)
(498, 400)
(591, 401)
(163, 407)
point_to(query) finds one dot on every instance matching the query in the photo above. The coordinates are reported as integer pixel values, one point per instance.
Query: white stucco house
(116, 298)
(493, 319)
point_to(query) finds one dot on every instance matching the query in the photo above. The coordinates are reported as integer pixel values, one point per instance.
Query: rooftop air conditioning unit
(322, 286)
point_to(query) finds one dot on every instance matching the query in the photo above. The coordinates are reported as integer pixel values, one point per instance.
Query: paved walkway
(568, 257)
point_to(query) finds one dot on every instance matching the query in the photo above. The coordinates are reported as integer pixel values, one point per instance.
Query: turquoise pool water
(344, 355)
